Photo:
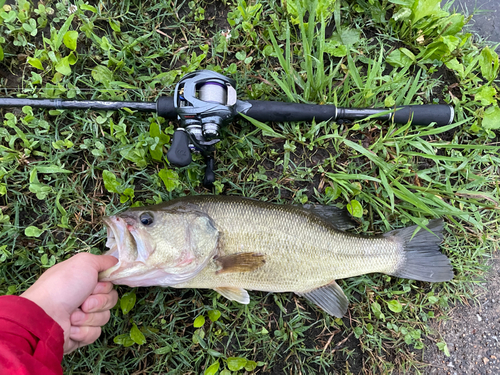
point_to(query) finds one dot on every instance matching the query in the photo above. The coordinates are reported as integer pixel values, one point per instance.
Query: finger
(84, 335)
(69, 346)
(100, 302)
(103, 287)
(97, 319)
(98, 262)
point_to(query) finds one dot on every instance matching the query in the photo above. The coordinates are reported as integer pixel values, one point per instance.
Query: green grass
(350, 53)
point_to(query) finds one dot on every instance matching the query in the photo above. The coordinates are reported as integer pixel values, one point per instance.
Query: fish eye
(146, 218)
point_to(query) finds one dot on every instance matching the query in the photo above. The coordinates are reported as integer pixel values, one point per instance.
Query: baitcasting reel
(205, 101)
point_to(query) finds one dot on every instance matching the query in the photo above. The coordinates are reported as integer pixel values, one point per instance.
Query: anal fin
(330, 298)
(235, 294)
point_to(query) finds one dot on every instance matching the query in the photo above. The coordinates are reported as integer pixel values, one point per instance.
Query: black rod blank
(77, 104)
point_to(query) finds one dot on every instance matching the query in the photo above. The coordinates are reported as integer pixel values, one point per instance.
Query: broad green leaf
(88, 7)
(347, 37)
(124, 340)
(170, 178)
(424, 8)
(451, 42)
(335, 48)
(128, 194)
(488, 62)
(155, 132)
(377, 310)
(225, 372)
(198, 336)
(358, 331)
(105, 45)
(214, 315)
(491, 119)
(127, 302)
(137, 335)
(395, 306)
(199, 321)
(1, 53)
(389, 102)
(115, 25)
(250, 365)
(70, 39)
(110, 181)
(236, 363)
(444, 348)
(402, 14)
(32, 231)
(212, 369)
(36, 63)
(63, 67)
(30, 27)
(486, 95)
(102, 74)
(72, 58)
(135, 153)
(62, 31)
(453, 24)
(332, 193)
(355, 208)
(455, 65)
(241, 55)
(400, 59)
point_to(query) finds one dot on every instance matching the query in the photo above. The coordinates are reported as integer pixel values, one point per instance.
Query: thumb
(100, 262)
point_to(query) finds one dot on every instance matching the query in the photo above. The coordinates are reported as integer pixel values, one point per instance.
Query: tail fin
(422, 259)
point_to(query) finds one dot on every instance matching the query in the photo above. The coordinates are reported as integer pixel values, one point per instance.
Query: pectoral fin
(330, 298)
(235, 294)
(241, 262)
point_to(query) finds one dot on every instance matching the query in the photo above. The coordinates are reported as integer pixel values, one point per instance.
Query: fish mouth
(121, 246)
(132, 247)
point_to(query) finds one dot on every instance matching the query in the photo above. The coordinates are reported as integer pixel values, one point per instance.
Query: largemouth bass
(232, 244)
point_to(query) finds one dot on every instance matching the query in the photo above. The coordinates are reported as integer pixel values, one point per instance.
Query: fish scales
(296, 259)
(233, 244)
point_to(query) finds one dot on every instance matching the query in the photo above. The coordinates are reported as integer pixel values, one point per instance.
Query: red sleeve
(31, 342)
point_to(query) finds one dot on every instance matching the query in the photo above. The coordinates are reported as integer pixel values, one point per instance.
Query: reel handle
(179, 153)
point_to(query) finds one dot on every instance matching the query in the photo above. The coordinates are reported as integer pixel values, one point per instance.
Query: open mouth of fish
(132, 248)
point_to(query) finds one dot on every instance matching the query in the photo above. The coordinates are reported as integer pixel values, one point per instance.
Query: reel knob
(179, 154)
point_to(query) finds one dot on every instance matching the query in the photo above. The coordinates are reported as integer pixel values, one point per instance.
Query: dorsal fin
(338, 217)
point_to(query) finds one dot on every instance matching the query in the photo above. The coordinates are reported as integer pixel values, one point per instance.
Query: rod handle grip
(441, 114)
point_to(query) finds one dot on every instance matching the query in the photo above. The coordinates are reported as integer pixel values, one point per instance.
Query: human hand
(71, 294)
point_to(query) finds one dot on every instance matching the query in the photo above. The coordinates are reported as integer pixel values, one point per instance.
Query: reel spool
(204, 102)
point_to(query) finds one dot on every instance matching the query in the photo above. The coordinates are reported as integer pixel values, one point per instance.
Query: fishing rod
(205, 101)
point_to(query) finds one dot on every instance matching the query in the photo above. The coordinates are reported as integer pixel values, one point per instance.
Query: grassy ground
(352, 53)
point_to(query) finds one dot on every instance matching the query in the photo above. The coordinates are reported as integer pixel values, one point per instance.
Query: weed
(61, 171)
